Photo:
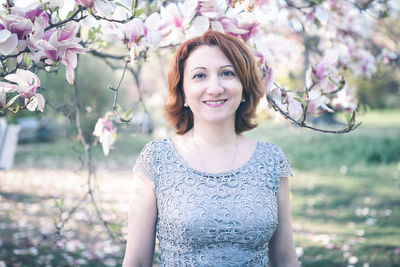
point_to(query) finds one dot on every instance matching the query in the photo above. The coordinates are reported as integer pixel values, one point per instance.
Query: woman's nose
(215, 86)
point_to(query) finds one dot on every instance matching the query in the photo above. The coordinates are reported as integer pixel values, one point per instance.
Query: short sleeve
(144, 163)
(284, 165)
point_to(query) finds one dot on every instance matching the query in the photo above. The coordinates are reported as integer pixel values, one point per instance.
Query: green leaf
(14, 110)
(70, 13)
(356, 126)
(128, 114)
(139, 12)
(347, 116)
(121, 5)
(27, 60)
(298, 99)
(333, 81)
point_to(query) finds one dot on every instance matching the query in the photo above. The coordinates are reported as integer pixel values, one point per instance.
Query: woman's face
(212, 88)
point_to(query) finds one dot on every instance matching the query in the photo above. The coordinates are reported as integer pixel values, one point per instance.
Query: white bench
(8, 143)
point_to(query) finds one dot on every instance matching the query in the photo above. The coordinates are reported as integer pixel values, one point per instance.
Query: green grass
(345, 189)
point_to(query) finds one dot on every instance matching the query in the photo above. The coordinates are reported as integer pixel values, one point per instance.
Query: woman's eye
(228, 73)
(199, 76)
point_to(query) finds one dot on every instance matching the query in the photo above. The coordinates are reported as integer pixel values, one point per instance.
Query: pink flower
(61, 45)
(172, 16)
(26, 85)
(3, 98)
(106, 132)
(295, 109)
(317, 100)
(18, 25)
(8, 42)
(345, 100)
(85, 3)
(132, 31)
(31, 12)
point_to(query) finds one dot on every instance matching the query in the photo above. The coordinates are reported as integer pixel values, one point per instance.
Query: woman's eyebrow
(224, 66)
(204, 68)
(196, 68)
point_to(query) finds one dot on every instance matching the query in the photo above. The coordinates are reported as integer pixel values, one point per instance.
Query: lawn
(345, 197)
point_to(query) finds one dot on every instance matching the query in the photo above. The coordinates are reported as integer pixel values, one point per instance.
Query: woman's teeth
(214, 102)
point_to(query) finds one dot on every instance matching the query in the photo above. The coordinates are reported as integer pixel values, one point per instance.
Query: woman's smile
(215, 103)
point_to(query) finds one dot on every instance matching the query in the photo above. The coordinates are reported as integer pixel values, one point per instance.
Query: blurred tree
(383, 92)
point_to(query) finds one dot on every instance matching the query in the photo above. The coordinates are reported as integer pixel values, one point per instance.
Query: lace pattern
(221, 219)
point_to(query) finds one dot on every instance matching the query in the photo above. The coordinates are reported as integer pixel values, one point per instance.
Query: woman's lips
(215, 103)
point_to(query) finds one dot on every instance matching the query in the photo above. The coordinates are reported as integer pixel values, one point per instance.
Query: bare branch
(116, 92)
(105, 55)
(135, 74)
(113, 20)
(71, 18)
(14, 55)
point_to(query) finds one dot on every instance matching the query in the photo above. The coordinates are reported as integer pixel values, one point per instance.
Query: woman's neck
(213, 136)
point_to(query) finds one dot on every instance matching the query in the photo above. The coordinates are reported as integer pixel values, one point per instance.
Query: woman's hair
(245, 66)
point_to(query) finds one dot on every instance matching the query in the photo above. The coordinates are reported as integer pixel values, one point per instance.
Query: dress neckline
(212, 174)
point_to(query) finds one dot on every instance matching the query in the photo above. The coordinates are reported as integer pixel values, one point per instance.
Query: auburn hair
(245, 66)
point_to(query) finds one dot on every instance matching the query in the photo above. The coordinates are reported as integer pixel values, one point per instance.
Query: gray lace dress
(214, 219)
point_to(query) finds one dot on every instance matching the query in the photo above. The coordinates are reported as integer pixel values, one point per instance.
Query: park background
(344, 192)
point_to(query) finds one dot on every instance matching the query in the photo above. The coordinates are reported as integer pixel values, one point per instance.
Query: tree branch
(71, 18)
(304, 125)
(105, 55)
(116, 92)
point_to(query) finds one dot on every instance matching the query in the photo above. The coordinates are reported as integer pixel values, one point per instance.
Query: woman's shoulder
(276, 154)
(269, 147)
(156, 144)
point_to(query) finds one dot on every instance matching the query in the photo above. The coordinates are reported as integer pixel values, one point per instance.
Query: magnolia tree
(326, 37)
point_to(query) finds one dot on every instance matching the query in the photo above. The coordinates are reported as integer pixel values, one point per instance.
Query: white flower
(106, 132)
(8, 42)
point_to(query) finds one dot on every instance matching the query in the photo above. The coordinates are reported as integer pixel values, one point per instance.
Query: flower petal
(40, 101)
(9, 44)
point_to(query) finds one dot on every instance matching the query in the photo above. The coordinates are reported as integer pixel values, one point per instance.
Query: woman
(211, 194)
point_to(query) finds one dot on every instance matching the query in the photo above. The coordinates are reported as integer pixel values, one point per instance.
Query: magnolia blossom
(276, 95)
(59, 45)
(85, 3)
(18, 25)
(317, 100)
(103, 8)
(3, 98)
(175, 21)
(154, 26)
(294, 108)
(106, 132)
(32, 12)
(345, 100)
(286, 102)
(8, 41)
(364, 63)
(26, 85)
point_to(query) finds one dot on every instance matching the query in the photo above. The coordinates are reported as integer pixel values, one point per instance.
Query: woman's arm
(281, 245)
(141, 223)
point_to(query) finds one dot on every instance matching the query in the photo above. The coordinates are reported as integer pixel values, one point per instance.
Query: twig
(71, 18)
(116, 92)
(113, 20)
(136, 75)
(14, 55)
(105, 55)
(60, 226)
